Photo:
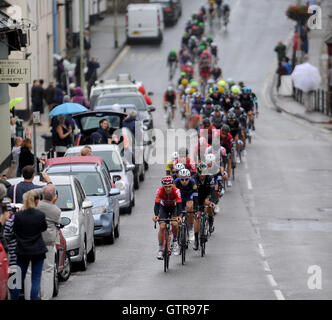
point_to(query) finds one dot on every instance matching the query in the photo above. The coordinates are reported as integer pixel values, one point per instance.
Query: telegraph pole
(82, 45)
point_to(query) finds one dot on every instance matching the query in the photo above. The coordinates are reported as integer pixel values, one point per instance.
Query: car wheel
(146, 165)
(83, 264)
(142, 175)
(133, 200)
(117, 228)
(129, 208)
(92, 254)
(66, 271)
(55, 279)
(136, 182)
(110, 239)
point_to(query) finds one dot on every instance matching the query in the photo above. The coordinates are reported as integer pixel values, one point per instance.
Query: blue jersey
(189, 191)
(197, 106)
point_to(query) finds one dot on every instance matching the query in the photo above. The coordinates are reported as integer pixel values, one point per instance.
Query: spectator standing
(280, 49)
(91, 75)
(16, 154)
(58, 99)
(288, 65)
(49, 95)
(28, 227)
(281, 71)
(16, 192)
(4, 215)
(79, 98)
(60, 71)
(50, 237)
(26, 157)
(78, 71)
(37, 96)
(87, 44)
(63, 136)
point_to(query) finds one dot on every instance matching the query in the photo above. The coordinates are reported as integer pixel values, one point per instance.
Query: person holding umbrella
(63, 136)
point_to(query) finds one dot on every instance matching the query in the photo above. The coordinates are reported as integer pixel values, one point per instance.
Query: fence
(321, 100)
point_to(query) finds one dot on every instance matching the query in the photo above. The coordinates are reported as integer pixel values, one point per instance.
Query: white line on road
(249, 181)
(261, 250)
(266, 266)
(279, 295)
(117, 60)
(271, 280)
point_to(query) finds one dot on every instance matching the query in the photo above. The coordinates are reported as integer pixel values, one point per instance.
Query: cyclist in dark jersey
(217, 117)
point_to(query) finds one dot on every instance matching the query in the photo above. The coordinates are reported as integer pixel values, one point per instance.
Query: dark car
(172, 10)
(128, 98)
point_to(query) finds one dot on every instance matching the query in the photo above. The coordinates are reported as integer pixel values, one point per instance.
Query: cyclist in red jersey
(183, 158)
(168, 204)
(226, 141)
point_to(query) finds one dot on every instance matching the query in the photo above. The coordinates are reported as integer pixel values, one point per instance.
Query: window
(92, 122)
(65, 198)
(138, 101)
(107, 181)
(91, 183)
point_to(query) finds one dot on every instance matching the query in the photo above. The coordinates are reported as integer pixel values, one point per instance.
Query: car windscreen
(164, 4)
(92, 122)
(65, 199)
(111, 158)
(135, 100)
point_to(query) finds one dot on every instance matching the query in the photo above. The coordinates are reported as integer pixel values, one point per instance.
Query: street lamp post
(116, 42)
(82, 45)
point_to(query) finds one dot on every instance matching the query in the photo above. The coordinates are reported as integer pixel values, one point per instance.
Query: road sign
(15, 71)
(36, 117)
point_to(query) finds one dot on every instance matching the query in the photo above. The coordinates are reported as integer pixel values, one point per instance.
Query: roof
(120, 94)
(95, 147)
(74, 160)
(56, 179)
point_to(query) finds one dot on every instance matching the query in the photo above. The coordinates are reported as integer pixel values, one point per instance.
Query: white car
(120, 171)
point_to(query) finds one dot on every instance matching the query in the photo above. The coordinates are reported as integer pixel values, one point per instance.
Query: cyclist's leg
(210, 213)
(173, 112)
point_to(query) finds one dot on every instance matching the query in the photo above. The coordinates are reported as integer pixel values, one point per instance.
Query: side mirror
(64, 222)
(130, 167)
(151, 109)
(114, 192)
(87, 204)
(150, 93)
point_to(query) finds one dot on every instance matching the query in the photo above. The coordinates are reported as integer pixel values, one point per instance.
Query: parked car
(120, 171)
(3, 273)
(123, 83)
(73, 203)
(93, 174)
(172, 10)
(89, 123)
(144, 21)
(128, 98)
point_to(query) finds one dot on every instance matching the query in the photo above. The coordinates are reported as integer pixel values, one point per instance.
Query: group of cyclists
(223, 113)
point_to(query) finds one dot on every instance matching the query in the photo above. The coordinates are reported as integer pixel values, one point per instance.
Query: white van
(144, 21)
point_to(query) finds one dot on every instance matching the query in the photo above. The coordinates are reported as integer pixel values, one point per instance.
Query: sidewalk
(317, 56)
(102, 47)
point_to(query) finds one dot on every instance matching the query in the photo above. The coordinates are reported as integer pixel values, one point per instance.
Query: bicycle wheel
(183, 242)
(166, 249)
(202, 235)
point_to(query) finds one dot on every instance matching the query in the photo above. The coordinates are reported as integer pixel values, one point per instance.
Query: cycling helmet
(194, 84)
(217, 107)
(225, 129)
(231, 116)
(206, 122)
(201, 24)
(221, 83)
(236, 104)
(173, 51)
(184, 173)
(230, 82)
(184, 82)
(179, 166)
(202, 47)
(187, 91)
(192, 90)
(215, 88)
(175, 155)
(208, 101)
(167, 180)
(183, 74)
(223, 151)
(169, 88)
(241, 84)
(235, 89)
(210, 158)
(189, 63)
(198, 95)
(245, 90)
(201, 167)
(210, 81)
(221, 89)
(213, 44)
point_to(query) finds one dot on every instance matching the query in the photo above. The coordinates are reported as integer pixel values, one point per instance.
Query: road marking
(266, 266)
(271, 280)
(279, 295)
(249, 181)
(118, 60)
(261, 250)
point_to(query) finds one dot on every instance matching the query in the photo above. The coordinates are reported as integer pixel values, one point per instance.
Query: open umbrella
(14, 102)
(67, 108)
(306, 77)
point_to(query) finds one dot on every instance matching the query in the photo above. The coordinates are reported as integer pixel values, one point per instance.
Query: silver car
(120, 171)
(74, 205)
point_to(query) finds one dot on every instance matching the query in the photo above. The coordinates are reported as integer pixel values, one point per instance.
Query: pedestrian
(16, 154)
(16, 192)
(63, 136)
(78, 71)
(91, 75)
(304, 39)
(130, 122)
(60, 71)
(4, 216)
(87, 44)
(49, 95)
(37, 96)
(28, 227)
(59, 93)
(26, 157)
(281, 71)
(50, 237)
(79, 98)
(330, 80)
(288, 65)
(280, 49)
